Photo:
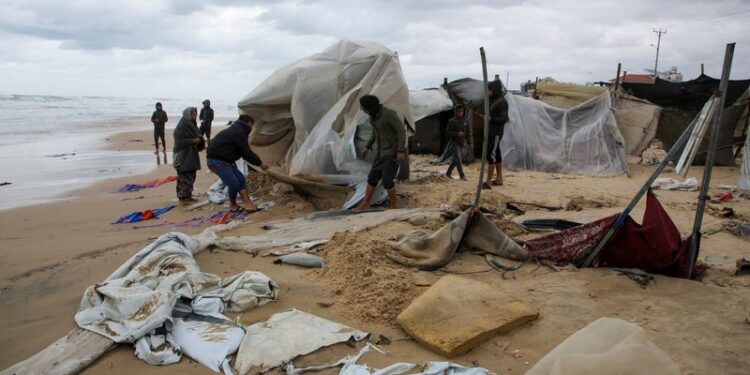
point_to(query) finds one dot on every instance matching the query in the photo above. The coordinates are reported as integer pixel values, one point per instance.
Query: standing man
(187, 143)
(206, 117)
(498, 118)
(229, 146)
(456, 130)
(390, 133)
(159, 118)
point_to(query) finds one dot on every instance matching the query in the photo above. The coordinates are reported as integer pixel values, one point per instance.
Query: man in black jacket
(159, 118)
(227, 147)
(456, 130)
(206, 117)
(498, 118)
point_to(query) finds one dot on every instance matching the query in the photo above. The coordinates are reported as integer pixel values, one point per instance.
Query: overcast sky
(222, 49)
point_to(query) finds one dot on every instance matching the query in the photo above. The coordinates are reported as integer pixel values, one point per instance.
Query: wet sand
(50, 253)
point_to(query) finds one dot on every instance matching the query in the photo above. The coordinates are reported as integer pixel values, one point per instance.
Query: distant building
(672, 75)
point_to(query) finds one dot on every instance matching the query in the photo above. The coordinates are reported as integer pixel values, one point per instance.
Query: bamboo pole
(486, 128)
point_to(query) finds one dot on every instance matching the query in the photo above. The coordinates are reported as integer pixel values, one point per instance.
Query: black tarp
(685, 95)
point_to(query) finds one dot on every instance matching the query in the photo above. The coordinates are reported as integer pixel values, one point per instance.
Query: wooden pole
(486, 128)
(617, 77)
(701, 69)
(695, 242)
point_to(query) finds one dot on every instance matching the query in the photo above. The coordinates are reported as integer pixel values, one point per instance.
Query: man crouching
(389, 132)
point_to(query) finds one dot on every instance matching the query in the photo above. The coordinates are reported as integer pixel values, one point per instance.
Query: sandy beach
(52, 252)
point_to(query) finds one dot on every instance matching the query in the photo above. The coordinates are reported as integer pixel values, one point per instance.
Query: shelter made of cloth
(307, 113)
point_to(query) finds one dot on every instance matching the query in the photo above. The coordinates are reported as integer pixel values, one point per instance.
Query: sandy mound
(368, 285)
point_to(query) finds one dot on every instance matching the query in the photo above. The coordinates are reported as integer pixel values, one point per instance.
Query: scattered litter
(268, 227)
(742, 231)
(457, 314)
(602, 346)
(548, 224)
(5, 183)
(728, 187)
(198, 205)
(287, 335)
(140, 303)
(382, 340)
(135, 140)
(325, 304)
(639, 276)
(727, 212)
(143, 215)
(722, 197)
(127, 188)
(133, 198)
(302, 260)
(690, 184)
(743, 267)
(518, 355)
(266, 205)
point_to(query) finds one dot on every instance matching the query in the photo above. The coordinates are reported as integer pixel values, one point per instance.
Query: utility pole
(658, 44)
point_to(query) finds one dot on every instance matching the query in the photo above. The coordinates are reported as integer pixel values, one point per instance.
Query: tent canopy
(307, 113)
(583, 139)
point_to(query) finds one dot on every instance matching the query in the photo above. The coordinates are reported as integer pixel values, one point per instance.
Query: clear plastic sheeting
(744, 181)
(427, 102)
(307, 113)
(606, 346)
(582, 140)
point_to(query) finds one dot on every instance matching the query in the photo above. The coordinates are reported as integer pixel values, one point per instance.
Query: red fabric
(155, 183)
(569, 245)
(654, 246)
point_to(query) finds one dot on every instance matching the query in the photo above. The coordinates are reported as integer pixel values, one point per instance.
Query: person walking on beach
(456, 130)
(159, 118)
(206, 117)
(390, 133)
(187, 143)
(227, 147)
(498, 118)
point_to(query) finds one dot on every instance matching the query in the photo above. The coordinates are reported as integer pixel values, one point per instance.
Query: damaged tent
(681, 103)
(431, 110)
(307, 113)
(654, 246)
(584, 139)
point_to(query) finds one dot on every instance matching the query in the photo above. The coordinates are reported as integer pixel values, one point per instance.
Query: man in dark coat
(456, 130)
(206, 117)
(389, 131)
(228, 146)
(159, 119)
(187, 143)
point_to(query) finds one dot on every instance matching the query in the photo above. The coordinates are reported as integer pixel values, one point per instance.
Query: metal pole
(677, 147)
(703, 196)
(486, 127)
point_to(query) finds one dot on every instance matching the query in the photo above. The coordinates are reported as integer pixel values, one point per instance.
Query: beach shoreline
(51, 252)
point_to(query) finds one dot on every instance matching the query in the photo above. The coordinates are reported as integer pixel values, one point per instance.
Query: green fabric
(389, 131)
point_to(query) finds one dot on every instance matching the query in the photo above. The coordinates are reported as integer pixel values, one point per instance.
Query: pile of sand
(260, 185)
(368, 286)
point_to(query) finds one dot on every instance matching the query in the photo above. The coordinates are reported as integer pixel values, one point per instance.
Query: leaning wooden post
(486, 128)
(695, 242)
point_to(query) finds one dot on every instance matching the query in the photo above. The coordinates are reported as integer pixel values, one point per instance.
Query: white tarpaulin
(744, 180)
(307, 113)
(144, 293)
(425, 103)
(286, 335)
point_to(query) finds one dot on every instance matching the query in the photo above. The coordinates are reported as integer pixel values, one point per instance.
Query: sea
(52, 145)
